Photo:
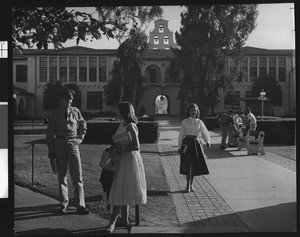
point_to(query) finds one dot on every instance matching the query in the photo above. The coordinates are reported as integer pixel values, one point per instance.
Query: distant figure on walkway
(192, 157)
(251, 119)
(66, 130)
(129, 184)
(226, 123)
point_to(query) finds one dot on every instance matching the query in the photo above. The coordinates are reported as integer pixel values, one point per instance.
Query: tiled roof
(259, 51)
(17, 54)
(148, 54)
(157, 54)
(18, 90)
(79, 50)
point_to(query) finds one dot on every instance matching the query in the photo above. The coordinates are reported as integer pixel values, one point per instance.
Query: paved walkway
(241, 194)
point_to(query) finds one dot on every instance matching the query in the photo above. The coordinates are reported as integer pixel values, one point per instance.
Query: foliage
(210, 33)
(129, 17)
(112, 90)
(43, 25)
(52, 90)
(270, 86)
(127, 78)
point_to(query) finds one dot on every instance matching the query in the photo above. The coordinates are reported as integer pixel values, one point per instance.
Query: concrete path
(241, 194)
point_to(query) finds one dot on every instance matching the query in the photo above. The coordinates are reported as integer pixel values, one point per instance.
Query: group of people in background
(234, 125)
(67, 128)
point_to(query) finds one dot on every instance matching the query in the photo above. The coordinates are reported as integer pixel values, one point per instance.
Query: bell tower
(161, 37)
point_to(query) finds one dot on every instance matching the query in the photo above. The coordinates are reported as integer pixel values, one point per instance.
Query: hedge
(278, 132)
(100, 132)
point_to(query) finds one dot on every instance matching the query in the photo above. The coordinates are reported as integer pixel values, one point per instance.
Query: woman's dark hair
(127, 111)
(190, 106)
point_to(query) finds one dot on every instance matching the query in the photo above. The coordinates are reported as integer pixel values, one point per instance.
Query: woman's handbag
(122, 139)
(110, 160)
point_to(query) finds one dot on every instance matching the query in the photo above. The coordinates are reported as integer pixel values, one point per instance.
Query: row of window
(94, 100)
(153, 75)
(73, 69)
(255, 67)
(93, 69)
(166, 40)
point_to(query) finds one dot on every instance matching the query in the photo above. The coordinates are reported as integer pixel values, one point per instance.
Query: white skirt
(129, 184)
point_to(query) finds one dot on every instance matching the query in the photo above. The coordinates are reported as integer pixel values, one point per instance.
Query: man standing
(225, 122)
(252, 119)
(66, 130)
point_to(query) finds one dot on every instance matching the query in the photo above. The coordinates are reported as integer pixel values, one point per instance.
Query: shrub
(100, 132)
(211, 122)
(278, 132)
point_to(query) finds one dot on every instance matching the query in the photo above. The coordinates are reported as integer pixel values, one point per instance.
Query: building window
(167, 74)
(43, 69)
(94, 100)
(272, 68)
(253, 68)
(236, 97)
(73, 69)
(281, 69)
(82, 69)
(153, 74)
(166, 40)
(102, 68)
(244, 67)
(53, 69)
(262, 66)
(77, 100)
(248, 94)
(21, 73)
(156, 40)
(233, 67)
(161, 28)
(93, 69)
(63, 69)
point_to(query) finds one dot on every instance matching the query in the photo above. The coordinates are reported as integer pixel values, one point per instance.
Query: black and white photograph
(164, 119)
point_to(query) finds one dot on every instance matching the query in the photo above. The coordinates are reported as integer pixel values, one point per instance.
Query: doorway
(161, 105)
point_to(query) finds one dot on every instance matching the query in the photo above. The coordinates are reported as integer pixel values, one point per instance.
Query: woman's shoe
(110, 228)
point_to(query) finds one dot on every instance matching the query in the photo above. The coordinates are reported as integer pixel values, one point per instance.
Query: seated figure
(243, 137)
(256, 145)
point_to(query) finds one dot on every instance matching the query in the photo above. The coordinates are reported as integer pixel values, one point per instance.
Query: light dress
(129, 184)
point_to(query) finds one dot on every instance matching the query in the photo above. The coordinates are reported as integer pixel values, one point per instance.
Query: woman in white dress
(129, 184)
(192, 160)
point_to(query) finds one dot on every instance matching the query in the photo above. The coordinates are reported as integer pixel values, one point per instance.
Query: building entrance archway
(162, 104)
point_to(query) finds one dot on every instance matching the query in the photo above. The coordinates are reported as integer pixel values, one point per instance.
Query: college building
(90, 69)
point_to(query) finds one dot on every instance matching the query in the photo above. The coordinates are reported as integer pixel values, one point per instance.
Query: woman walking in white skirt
(129, 184)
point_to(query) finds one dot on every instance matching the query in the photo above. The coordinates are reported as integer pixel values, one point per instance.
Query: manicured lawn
(159, 210)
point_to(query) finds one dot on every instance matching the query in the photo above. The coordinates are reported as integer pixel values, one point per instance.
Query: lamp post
(262, 98)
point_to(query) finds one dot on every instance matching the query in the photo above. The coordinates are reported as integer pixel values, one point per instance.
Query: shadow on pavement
(214, 152)
(33, 212)
(257, 220)
(42, 231)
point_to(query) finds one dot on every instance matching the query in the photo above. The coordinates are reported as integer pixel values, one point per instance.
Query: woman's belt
(65, 137)
(190, 136)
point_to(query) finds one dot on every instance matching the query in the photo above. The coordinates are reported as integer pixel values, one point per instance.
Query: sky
(275, 28)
